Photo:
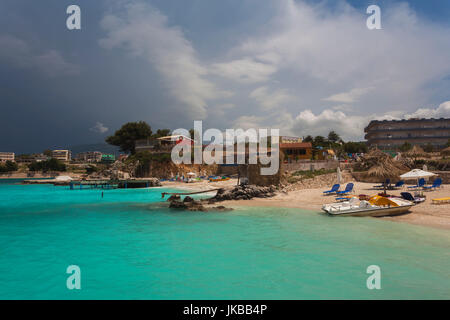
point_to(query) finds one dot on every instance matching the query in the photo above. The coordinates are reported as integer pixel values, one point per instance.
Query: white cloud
(269, 100)
(99, 128)
(348, 125)
(145, 32)
(245, 70)
(315, 51)
(248, 122)
(443, 111)
(348, 97)
(17, 52)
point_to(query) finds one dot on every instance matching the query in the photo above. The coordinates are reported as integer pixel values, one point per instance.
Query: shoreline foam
(424, 214)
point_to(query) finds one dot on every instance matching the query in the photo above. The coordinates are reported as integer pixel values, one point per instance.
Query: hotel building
(63, 155)
(89, 156)
(7, 156)
(391, 134)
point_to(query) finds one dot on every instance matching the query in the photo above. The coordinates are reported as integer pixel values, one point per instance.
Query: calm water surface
(130, 246)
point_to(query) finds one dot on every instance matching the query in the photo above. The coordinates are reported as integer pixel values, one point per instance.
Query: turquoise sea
(129, 245)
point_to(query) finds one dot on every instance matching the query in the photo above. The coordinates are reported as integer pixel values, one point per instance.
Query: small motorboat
(376, 206)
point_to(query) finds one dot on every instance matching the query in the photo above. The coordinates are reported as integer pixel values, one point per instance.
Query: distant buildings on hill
(62, 155)
(7, 156)
(89, 156)
(391, 134)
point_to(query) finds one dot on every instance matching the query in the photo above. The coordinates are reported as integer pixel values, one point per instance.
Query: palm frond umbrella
(386, 169)
(446, 152)
(416, 152)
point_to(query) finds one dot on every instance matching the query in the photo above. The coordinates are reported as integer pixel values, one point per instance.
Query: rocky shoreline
(246, 192)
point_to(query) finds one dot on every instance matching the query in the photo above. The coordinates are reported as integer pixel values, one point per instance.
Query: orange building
(293, 149)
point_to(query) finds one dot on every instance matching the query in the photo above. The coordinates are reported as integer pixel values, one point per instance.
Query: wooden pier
(188, 193)
(110, 184)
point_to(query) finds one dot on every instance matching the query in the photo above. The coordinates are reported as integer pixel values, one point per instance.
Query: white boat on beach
(376, 206)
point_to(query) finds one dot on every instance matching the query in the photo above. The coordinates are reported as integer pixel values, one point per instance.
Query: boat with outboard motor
(376, 206)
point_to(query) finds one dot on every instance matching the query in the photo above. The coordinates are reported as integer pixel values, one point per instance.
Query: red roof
(302, 145)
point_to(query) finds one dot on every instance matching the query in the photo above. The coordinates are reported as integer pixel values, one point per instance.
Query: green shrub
(48, 165)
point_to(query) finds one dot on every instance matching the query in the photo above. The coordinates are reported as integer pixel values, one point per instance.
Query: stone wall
(307, 165)
(253, 173)
(325, 181)
(228, 170)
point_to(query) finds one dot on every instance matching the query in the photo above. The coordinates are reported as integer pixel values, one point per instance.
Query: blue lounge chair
(348, 189)
(419, 185)
(436, 184)
(399, 184)
(386, 183)
(334, 188)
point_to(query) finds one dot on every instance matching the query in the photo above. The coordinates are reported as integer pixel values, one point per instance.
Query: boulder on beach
(245, 192)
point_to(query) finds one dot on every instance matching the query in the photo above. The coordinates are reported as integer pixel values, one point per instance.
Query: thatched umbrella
(416, 152)
(446, 152)
(386, 168)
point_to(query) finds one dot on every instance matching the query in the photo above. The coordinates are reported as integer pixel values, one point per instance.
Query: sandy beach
(424, 214)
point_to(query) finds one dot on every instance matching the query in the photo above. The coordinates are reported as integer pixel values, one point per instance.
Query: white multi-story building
(89, 156)
(63, 155)
(7, 156)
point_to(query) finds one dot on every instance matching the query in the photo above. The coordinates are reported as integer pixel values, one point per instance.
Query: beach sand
(424, 214)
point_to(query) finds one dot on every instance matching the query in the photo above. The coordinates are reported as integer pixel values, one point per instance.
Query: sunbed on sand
(436, 184)
(440, 200)
(334, 189)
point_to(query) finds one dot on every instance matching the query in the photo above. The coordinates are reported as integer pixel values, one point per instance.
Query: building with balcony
(391, 134)
(162, 144)
(7, 156)
(62, 155)
(293, 149)
(89, 156)
(29, 158)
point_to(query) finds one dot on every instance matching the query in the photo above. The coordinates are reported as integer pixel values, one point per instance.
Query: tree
(161, 133)
(428, 148)
(406, 146)
(355, 147)
(48, 165)
(448, 143)
(319, 141)
(333, 137)
(126, 136)
(11, 166)
(308, 139)
(48, 153)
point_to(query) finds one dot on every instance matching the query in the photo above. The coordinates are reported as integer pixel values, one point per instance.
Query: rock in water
(245, 192)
